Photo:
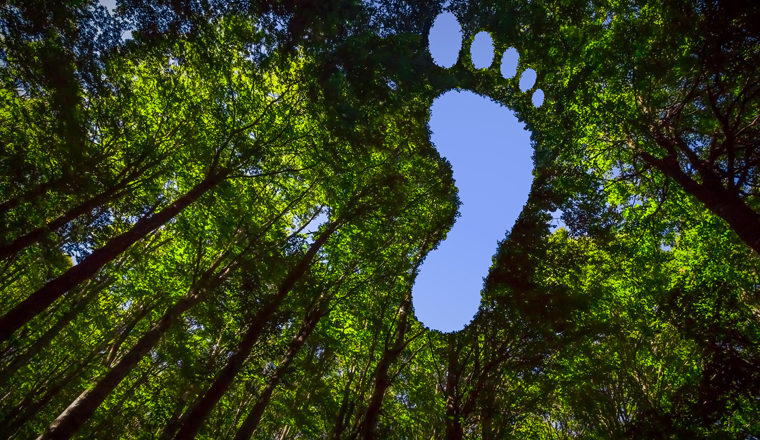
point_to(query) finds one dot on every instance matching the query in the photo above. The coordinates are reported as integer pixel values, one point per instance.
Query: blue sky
(490, 153)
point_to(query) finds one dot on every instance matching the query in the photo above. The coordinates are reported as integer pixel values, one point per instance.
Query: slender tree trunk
(71, 419)
(251, 422)
(224, 379)
(382, 378)
(38, 387)
(31, 410)
(54, 289)
(85, 207)
(489, 410)
(173, 423)
(124, 334)
(453, 423)
(283, 432)
(32, 194)
(340, 421)
(43, 341)
(180, 414)
(727, 205)
(123, 328)
(115, 411)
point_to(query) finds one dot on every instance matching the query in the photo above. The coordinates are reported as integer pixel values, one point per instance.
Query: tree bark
(251, 422)
(727, 205)
(453, 423)
(43, 341)
(340, 421)
(85, 207)
(32, 194)
(11, 425)
(54, 289)
(224, 379)
(79, 411)
(110, 418)
(173, 423)
(383, 379)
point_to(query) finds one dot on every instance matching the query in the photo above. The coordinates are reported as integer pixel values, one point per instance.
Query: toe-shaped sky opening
(445, 40)
(482, 50)
(509, 63)
(527, 80)
(538, 98)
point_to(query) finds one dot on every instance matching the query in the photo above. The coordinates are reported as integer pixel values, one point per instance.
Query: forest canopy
(211, 229)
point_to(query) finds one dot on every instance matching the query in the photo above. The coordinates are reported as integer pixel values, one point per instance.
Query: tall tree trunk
(224, 379)
(13, 423)
(32, 194)
(453, 423)
(252, 420)
(79, 411)
(54, 289)
(179, 414)
(727, 205)
(85, 207)
(382, 377)
(43, 341)
(124, 327)
(340, 421)
(115, 411)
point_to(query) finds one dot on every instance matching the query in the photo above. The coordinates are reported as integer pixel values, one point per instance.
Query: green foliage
(638, 319)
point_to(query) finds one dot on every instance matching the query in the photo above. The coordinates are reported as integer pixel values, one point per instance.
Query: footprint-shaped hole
(509, 63)
(538, 98)
(527, 80)
(445, 40)
(482, 50)
(490, 153)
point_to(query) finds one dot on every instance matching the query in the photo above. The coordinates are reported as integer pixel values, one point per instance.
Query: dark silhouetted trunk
(43, 341)
(727, 205)
(176, 419)
(79, 411)
(453, 420)
(113, 413)
(85, 207)
(54, 289)
(340, 421)
(31, 195)
(252, 420)
(224, 379)
(383, 379)
(13, 421)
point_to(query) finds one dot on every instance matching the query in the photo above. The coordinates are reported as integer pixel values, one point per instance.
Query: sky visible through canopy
(490, 153)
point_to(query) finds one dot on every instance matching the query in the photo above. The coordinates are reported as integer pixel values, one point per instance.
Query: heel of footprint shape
(446, 40)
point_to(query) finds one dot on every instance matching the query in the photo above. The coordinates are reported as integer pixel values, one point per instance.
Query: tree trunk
(251, 422)
(32, 194)
(115, 411)
(340, 422)
(453, 422)
(43, 341)
(224, 379)
(66, 424)
(727, 205)
(11, 425)
(54, 289)
(124, 334)
(173, 423)
(85, 207)
(382, 378)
